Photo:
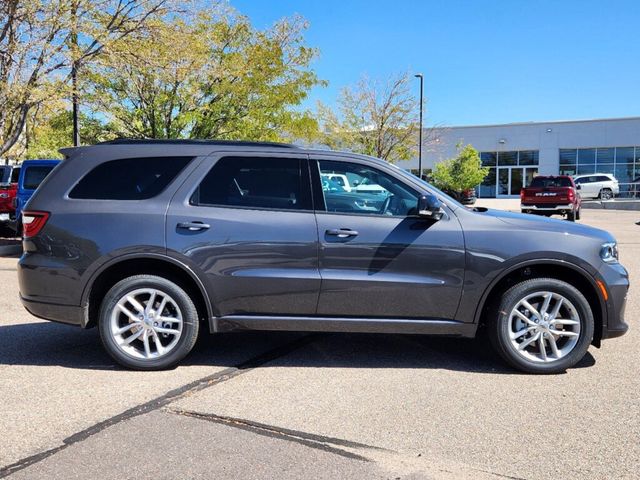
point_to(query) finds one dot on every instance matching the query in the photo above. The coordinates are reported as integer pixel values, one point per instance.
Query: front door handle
(342, 232)
(194, 226)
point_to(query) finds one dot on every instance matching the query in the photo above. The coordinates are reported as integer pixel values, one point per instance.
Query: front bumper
(69, 314)
(616, 280)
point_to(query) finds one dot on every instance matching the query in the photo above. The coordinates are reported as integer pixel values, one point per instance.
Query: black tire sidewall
(499, 331)
(184, 302)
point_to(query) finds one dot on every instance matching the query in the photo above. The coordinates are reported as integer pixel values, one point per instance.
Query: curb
(613, 205)
(10, 249)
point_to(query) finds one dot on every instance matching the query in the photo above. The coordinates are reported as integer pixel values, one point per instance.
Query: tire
(571, 216)
(178, 321)
(605, 194)
(578, 214)
(508, 331)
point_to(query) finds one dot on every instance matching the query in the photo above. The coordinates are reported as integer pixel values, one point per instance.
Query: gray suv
(153, 240)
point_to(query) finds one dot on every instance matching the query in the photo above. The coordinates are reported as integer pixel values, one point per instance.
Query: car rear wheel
(542, 325)
(571, 216)
(606, 194)
(578, 214)
(148, 323)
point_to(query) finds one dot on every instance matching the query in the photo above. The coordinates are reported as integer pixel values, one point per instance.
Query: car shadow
(52, 344)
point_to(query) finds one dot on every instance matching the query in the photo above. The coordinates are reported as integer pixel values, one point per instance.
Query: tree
(208, 76)
(40, 40)
(462, 172)
(374, 119)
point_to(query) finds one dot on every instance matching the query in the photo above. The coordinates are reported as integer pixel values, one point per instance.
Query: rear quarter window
(129, 178)
(33, 176)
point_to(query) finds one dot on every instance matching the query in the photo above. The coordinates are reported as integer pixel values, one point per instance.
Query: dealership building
(516, 152)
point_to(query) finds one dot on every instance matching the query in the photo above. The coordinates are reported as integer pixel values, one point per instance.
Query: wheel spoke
(127, 312)
(167, 330)
(562, 321)
(564, 333)
(545, 304)
(520, 333)
(170, 319)
(159, 347)
(136, 304)
(126, 328)
(543, 350)
(145, 340)
(556, 308)
(524, 318)
(132, 337)
(163, 303)
(150, 302)
(554, 346)
(528, 341)
(531, 308)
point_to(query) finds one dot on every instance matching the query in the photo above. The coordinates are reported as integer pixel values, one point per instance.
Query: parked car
(238, 235)
(8, 189)
(32, 174)
(597, 185)
(466, 197)
(551, 195)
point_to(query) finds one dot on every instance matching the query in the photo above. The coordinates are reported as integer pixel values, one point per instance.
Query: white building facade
(517, 152)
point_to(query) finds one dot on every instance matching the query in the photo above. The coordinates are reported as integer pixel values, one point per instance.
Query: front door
(246, 223)
(512, 179)
(377, 259)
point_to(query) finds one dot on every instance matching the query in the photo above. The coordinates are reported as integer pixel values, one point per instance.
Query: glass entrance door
(512, 179)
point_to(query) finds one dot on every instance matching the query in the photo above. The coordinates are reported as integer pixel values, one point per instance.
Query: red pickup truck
(551, 195)
(8, 189)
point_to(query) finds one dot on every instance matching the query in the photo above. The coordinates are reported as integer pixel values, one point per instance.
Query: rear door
(245, 220)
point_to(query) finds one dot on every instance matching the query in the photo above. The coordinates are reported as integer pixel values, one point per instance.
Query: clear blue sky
(483, 61)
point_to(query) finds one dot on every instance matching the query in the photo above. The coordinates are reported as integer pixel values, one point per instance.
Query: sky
(484, 62)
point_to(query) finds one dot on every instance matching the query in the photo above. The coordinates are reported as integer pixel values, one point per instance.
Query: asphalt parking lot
(278, 405)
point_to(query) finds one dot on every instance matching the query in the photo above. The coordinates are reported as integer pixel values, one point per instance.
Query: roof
(542, 123)
(237, 143)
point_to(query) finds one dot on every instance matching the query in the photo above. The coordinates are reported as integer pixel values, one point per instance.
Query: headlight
(609, 252)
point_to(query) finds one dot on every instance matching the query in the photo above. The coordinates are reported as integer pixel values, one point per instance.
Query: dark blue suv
(150, 240)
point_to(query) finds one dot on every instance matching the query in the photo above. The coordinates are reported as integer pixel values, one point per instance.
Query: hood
(523, 221)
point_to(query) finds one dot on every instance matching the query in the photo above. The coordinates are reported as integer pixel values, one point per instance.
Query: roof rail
(238, 143)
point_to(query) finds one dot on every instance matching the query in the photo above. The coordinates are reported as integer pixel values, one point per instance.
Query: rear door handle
(342, 232)
(194, 226)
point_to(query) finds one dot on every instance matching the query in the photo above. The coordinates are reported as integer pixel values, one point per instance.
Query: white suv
(597, 185)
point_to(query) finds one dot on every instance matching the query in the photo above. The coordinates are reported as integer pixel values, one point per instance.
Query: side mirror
(430, 207)
(578, 187)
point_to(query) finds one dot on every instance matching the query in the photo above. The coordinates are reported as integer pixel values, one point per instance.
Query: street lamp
(419, 75)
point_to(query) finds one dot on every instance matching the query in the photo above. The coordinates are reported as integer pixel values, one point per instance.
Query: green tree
(374, 118)
(460, 173)
(52, 130)
(41, 39)
(209, 75)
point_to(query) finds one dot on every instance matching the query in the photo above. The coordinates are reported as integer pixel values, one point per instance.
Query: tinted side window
(602, 178)
(129, 178)
(258, 182)
(15, 175)
(4, 173)
(369, 191)
(34, 176)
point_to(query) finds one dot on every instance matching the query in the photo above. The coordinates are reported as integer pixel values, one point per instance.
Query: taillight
(32, 223)
(572, 195)
(521, 194)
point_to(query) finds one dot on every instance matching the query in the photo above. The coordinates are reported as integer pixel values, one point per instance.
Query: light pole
(419, 75)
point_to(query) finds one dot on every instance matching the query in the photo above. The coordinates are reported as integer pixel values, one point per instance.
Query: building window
(622, 162)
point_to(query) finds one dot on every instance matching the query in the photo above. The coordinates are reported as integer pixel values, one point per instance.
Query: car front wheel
(542, 325)
(147, 322)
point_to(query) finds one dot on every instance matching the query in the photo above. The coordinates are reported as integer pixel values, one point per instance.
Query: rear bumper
(547, 208)
(69, 314)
